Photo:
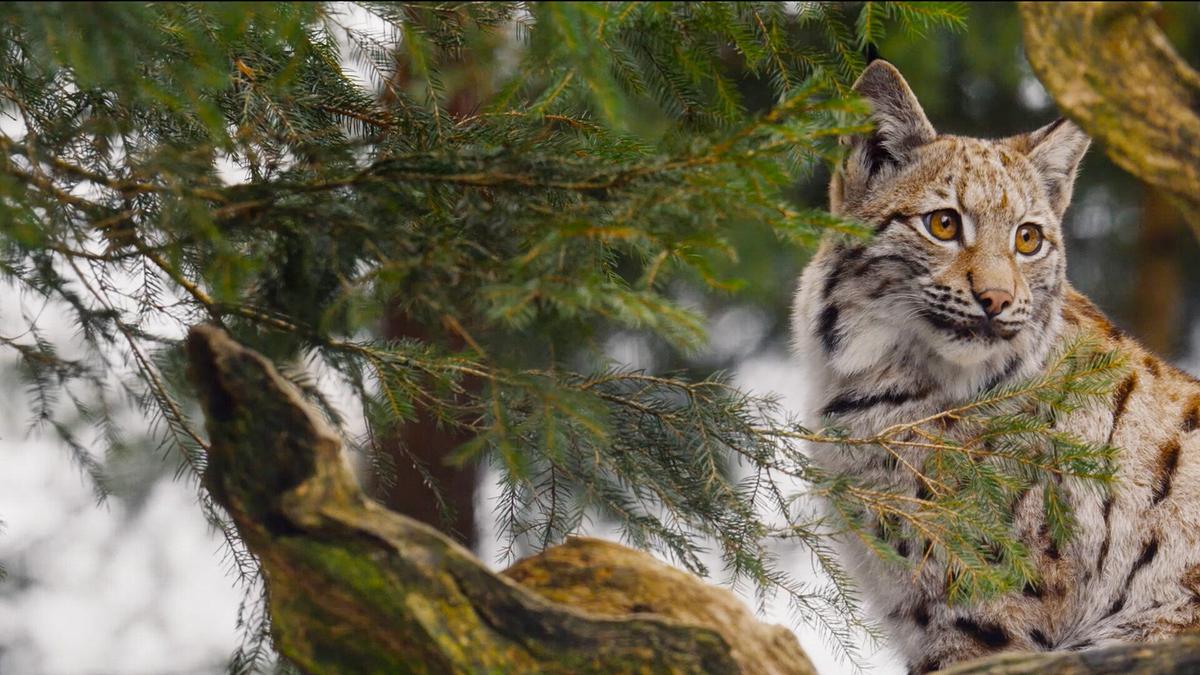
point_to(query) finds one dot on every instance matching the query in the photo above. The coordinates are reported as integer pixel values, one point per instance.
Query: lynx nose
(994, 301)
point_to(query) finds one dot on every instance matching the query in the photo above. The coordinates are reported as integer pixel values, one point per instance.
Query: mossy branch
(356, 588)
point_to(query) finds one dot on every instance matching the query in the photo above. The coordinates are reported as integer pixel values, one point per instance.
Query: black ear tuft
(900, 123)
(877, 156)
(900, 128)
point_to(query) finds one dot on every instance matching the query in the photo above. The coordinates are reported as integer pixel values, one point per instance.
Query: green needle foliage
(519, 180)
(970, 465)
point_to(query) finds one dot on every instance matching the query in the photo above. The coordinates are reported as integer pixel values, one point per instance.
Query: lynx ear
(900, 128)
(1055, 151)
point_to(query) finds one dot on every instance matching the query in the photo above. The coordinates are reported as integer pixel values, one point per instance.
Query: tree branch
(357, 588)
(1181, 655)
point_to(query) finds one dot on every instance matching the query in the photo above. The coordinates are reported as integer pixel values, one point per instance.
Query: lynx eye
(1029, 239)
(944, 224)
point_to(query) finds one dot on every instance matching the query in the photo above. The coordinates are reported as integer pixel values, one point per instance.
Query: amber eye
(943, 224)
(1029, 239)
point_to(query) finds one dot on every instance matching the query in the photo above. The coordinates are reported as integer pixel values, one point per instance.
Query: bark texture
(1111, 69)
(355, 588)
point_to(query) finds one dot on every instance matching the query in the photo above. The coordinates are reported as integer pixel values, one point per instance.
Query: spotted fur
(894, 330)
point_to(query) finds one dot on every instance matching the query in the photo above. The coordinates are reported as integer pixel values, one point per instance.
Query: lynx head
(968, 239)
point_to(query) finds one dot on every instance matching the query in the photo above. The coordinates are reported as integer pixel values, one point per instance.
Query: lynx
(961, 288)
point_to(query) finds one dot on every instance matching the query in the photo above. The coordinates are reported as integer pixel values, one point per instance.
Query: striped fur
(891, 331)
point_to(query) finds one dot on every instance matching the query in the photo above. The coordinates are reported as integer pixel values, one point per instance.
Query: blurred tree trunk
(449, 502)
(1158, 291)
(1110, 68)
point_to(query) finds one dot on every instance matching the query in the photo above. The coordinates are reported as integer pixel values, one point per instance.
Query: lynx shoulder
(962, 288)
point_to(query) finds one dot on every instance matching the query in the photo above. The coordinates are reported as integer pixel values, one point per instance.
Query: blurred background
(137, 584)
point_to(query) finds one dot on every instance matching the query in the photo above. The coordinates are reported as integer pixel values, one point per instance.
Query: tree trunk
(355, 588)
(1111, 69)
(436, 493)
(1157, 296)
